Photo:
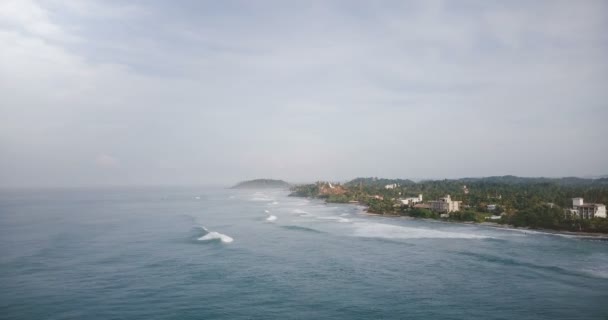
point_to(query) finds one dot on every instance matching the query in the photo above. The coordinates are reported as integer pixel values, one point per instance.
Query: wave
(596, 273)
(339, 219)
(275, 202)
(300, 228)
(261, 199)
(214, 235)
(302, 213)
(388, 231)
(557, 234)
(592, 273)
(271, 218)
(266, 211)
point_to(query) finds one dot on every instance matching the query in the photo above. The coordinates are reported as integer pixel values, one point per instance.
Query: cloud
(29, 17)
(212, 92)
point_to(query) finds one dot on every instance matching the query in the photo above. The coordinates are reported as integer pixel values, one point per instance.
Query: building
(411, 201)
(391, 186)
(491, 207)
(445, 204)
(587, 210)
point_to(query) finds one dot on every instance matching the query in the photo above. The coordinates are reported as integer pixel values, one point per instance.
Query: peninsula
(262, 184)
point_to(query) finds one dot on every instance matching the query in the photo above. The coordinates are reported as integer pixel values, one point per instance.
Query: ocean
(215, 253)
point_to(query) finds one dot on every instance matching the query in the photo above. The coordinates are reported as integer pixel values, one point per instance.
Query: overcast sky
(205, 92)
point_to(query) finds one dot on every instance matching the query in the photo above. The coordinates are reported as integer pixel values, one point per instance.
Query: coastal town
(522, 202)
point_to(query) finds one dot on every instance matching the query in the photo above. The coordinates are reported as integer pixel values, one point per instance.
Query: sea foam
(213, 235)
(271, 218)
(388, 231)
(302, 213)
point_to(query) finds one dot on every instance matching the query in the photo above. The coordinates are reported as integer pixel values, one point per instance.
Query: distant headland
(262, 184)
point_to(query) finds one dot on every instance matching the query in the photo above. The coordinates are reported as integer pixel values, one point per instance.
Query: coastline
(576, 234)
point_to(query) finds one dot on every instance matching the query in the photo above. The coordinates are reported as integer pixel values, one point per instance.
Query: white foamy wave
(339, 219)
(275, 202)
(388, 231)
(260, 199)
(216, 236)
(597, 273)
(271, 218)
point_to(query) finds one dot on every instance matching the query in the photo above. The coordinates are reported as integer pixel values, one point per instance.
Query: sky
(214, 92)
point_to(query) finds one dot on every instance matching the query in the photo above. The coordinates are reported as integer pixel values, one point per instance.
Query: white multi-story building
(391, 186)
(411, 201)
(445, 204)
(587, 210)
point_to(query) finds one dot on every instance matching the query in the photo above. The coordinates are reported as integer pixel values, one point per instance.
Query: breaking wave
(339, 219)
(213, 235)
(302, 213)
(260, 199)
(388, 231)
(271, 218)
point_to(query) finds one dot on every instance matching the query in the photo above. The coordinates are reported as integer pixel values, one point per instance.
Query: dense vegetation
(524, 202)
(262, 184)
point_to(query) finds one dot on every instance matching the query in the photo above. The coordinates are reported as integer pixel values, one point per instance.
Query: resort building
(587, 210)
(411, 201)
(445, 204)
(391, 186)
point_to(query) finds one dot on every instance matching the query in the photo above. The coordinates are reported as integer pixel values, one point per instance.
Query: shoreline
(578, 234)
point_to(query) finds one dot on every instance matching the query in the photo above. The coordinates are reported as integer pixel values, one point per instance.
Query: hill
(262, 184)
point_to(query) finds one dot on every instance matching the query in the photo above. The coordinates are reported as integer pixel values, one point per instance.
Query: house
(391, 186)
(411, 201)
(587, 210)
(491, 207)
(445, 204)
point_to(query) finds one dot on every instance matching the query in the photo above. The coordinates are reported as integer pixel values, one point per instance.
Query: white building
(445, 204)
(491, 207)
(587, 210)
(411, 201)
(391, 186)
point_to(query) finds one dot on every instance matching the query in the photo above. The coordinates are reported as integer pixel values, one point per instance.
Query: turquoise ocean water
(214, 253)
